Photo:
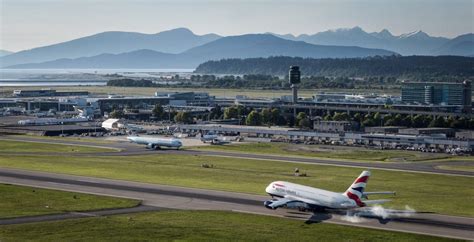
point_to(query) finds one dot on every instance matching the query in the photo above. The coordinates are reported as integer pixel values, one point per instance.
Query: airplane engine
(268, 204)
(152, 146)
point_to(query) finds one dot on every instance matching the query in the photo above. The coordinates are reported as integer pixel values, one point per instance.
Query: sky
(26, 24)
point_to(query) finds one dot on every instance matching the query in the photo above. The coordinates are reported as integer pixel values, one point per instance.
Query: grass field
(68, 138)
(196, 226)
(19, 201)
(458, 168)
(330, 152)
(7, 146)
(424, 192)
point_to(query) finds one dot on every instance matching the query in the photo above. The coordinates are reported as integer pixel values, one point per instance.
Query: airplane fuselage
(208, 137)
(155, 143)
(313, 196)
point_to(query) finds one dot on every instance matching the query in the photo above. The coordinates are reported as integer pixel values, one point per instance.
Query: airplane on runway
(156, 143)
(306, 198)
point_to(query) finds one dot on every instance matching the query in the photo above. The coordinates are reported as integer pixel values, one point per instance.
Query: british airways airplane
(306, 198)
(156, 143)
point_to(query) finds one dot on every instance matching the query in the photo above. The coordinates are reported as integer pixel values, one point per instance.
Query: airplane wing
(372, 202)
(366, 194)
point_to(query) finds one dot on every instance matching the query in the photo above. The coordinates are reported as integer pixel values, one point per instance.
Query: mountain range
(181, 48)
(172, 41)
(5, 52)
(242, 46)
(415, 43)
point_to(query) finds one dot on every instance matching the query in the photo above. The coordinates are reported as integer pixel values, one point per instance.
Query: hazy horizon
(27, 24)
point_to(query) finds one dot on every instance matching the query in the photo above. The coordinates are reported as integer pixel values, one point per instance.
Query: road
(173, 197)
(127, 148)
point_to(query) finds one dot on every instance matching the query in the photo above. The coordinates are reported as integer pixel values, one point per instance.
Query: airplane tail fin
(356, 190)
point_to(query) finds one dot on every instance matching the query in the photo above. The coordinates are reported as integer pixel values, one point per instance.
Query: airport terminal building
(438, 93)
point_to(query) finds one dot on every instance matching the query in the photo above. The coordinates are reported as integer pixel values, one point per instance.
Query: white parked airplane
(292, 195)
(156, 143)
(209, 137)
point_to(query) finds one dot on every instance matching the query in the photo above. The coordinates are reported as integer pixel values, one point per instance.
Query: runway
(173, 197)
(126, 149)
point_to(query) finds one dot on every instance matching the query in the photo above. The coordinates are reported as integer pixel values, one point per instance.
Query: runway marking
(339, 165)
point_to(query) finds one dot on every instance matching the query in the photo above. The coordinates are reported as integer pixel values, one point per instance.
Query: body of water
(50, 83)
(77, 77)
(91, 71)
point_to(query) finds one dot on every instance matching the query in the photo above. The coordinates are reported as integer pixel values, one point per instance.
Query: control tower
(294, 78)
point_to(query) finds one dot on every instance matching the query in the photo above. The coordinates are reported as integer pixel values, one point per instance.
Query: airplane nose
(269, 188)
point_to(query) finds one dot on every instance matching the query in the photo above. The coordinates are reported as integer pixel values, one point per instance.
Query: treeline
(284, 117)
(310, 82)
(258, 81)
(423, 68)
(410, 121)
(278, 116)
(131, 83)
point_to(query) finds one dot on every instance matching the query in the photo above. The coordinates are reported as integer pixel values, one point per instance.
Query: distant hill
(414, 67)
(461, 45)
(135, 59)
(5, 52)
(243, 46)
(172, 41)
(194, 49)
(415, 43)
(264, 45)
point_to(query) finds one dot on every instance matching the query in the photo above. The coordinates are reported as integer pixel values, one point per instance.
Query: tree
(183, 117)
(393, 120)
(398, 119)
(305, 123)
(117, 113)
(450, 122)
(300, 116)
(387, 118)
(328, 117)
(276, 116)
(419, 121)
(358, 117)
(437, 122)
(407, 121)
(216, 112)
(341, 116)
(463, 123)
(254, 118)
(377, 119)
(266, 116)
(158, 111)
(471, 124)
(231, 112)
(368, 121)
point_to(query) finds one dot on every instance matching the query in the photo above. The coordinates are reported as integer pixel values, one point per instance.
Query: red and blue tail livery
(356, 190)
